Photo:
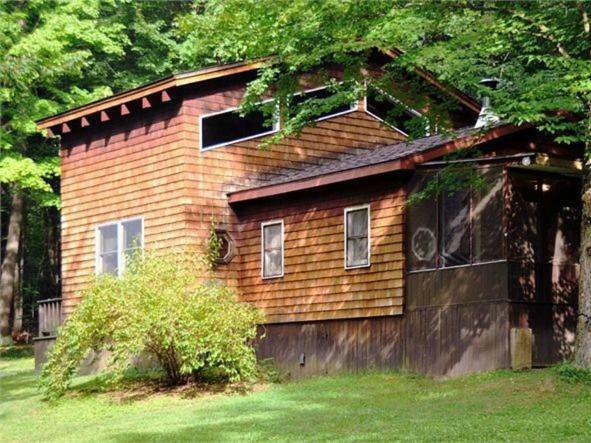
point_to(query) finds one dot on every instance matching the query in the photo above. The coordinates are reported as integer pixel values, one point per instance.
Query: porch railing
(50, 316)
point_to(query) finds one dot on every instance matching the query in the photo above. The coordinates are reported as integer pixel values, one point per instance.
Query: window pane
(230, 126)
(273, 263)
(320, 94)
(394, 113)
(109, 263)
(422, 225)
(487, 217)
(132, 234)
(357, 251)
(454, 212)
(357, 223)
(108, 238)
(273, 236)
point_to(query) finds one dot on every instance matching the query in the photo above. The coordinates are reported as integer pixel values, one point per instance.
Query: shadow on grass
(140, 385)
(18, 386)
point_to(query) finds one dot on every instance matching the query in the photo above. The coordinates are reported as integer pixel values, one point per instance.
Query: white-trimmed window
(228, 126)
(322, 93)
(357, 237)
(116, 242)
(394, 113)
(272, 249)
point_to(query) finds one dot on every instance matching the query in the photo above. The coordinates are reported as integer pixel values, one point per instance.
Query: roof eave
(140, 92)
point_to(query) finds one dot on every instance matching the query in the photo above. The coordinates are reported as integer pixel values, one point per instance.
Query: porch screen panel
(487, 217)
(523, 218)
(421, 224)
(109, 247)
(454, 213)
(561, 208)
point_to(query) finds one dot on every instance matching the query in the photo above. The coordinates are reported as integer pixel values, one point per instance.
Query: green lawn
(533, 406)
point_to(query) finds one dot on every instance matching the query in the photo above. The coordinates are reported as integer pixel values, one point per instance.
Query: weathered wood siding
(130, 167)
(438, 341)
(213, 173)
(316, 285)
(149, 164)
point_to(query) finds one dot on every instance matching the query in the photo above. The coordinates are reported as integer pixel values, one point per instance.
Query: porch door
(543, 221)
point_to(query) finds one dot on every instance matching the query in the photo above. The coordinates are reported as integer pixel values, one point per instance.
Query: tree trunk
(17, 299)
(9, 265)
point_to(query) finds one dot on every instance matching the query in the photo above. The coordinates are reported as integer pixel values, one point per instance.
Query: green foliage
(57, 54)
(193, 326)
(540, 50)
(573, 374)
(15, 352)
(214, 244)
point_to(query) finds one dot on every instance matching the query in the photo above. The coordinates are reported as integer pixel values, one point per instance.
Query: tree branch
(544, 30)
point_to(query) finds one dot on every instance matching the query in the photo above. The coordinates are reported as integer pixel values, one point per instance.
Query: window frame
(367, 207)
(120, 247)
(276, 128)
(353, 107)
(263, 226)
(391, 97)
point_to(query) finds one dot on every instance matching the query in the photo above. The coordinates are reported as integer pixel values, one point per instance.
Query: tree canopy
(538, 50)
(59, 54)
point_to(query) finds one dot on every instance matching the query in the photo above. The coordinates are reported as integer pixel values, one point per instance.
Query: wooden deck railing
(50, 316)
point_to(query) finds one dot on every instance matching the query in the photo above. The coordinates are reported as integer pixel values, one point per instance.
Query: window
(229, 126)
(225, 247)
(116, 243)
(322, 93)
(272, 249)
(459, 228)
(357, 238)
(391, 111)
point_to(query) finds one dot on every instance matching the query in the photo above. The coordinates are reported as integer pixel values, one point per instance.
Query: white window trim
(97, 244)
(276, 127)
(354, 106)
(409, 109)
(351, 209)
(263, 225)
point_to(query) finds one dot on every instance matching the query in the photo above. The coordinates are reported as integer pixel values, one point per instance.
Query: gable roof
(354, 164)
(161, 86)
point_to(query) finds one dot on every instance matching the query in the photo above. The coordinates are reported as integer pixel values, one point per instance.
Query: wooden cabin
(316, 229)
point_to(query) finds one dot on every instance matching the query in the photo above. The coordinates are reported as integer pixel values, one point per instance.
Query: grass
(538, 405)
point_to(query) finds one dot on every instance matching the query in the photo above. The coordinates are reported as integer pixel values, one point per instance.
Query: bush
(573, 374)
(164, 305)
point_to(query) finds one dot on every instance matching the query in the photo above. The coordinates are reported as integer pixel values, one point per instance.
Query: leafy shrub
(164, 305)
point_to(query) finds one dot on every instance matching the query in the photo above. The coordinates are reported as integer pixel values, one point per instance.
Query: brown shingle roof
(392, 157)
